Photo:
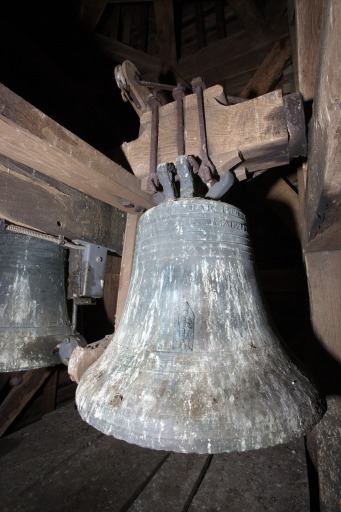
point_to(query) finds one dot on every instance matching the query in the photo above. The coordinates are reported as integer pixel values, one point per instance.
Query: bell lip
(201, 446)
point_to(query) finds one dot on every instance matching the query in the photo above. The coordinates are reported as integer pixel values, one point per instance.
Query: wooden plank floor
(62, 464)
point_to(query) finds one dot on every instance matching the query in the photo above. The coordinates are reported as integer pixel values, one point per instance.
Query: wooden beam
(50, 392)
(90, 12)
(148, 65)
(126, 264)
(283, 200)
(164, 18)
(305, 26)
(30, 137)
(270, 71)
(20, 395)
(26, 196)
(324, 282)
(220, 18)
(231, 56)
(322, 213)
(325, 441)
(256, 128)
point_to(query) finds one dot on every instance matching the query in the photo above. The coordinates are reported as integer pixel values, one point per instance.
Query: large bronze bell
(33, 312)
(196, 365)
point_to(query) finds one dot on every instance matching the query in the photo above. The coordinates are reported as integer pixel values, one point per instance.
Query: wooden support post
(270, 71)
(250, 15)
(256, 128)
(30, 137)
(126, 264)
(324, 443)
(322, 226)
(226, 58)
(148, 65)
(111, 284)
(305, 23)
(164, 17)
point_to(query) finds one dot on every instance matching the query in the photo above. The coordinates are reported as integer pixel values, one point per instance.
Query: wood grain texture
(33, 139)
(19, 396)
(230, 56)
(255, 128)
(322, 213)
(164, 18)
(126, 264)
(89, 13)
(26, 196)
(270, 71)
(324, 282)
(305, 25)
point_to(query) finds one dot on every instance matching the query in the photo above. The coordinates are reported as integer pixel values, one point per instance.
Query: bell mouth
(190, 403)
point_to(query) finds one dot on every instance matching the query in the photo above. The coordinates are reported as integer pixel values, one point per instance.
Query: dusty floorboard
(62, 464)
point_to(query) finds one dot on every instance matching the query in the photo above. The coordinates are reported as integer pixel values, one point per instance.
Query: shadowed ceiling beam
(164, 18)
(270, 71)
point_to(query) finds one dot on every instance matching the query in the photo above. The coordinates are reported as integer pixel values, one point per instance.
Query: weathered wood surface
(149, 65)
(30, 137)
(126, 264)
(270, 71)
(26, 196)
(322, 215)
(20, 395)
(281, 198)
(89, 13)
(256, 128)
(231, 56)
(305, 25)
(164, 18)
(61, 463)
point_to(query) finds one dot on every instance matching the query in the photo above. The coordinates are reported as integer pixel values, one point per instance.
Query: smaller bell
(33, 310)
